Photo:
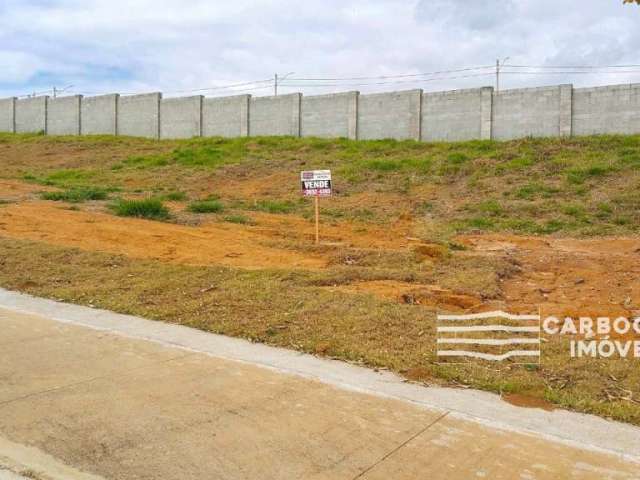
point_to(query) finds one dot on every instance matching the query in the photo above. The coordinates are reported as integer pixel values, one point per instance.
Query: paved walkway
(80, 403)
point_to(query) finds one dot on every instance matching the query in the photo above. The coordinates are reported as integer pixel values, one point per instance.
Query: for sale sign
(316, 183)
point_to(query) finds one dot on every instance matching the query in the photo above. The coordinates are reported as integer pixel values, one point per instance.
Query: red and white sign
(316, 183)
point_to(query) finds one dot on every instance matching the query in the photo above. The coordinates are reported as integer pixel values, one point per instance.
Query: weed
(76, 195)
(206, 206)
(174, 196)
(151, 208)
(273, 206)
(241, 219)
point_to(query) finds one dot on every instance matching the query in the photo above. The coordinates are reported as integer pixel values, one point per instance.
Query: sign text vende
(316, 183)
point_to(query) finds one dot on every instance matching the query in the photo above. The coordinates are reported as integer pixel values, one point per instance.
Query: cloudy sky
(177, 46)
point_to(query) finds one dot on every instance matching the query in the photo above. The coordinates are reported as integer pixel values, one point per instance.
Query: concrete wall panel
(275, 115)
(63, 115)
(390, 115)
(602, 110)
(329, 116)
(8, 115)
(139, 115)
(226, 116)
(99, 115)
(535, 112)
(181, 117)
(456, 115)
(31, 115)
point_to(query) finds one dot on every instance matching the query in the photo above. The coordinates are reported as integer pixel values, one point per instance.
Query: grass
(151, 208)
(273, 206)
(206, 206)
(174, 196)
(239, 218)
(76, 195)
(531, 179)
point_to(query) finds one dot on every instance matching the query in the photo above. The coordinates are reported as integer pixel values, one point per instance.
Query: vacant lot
(413, 229)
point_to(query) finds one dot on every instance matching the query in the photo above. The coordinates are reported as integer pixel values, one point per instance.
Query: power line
(579, 72)
(382, 77)
(411, 78)
(572, 66)
(422, 80)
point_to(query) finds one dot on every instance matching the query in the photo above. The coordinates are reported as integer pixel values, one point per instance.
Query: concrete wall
(31, 115)
(99, 115)
(536, 112)
(611, 109)
(275, 115)
(330, 116)
(63, 115)
(390, 115)
(8, 115)
(226, 116)
(181, 117)
(139, 115)
(457, 115)
(481, 113)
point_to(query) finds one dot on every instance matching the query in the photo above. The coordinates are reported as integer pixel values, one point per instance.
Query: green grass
(66, 178)
(273, 206)
(76, 195)
(206, 206)
(238, 218)
(151, 208)
(531, 180)
(174, 196)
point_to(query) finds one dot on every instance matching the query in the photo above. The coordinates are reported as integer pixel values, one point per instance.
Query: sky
(216, 47)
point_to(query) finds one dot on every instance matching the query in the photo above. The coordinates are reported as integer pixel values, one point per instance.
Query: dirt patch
(13, 191)
(292, 227)
(526, 401)
(224, 244)
(415, 294)
(568, 277)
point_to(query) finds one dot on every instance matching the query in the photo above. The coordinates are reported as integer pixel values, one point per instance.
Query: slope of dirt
(223, 244)
(561, 276)
(14, 190)
(567, 276)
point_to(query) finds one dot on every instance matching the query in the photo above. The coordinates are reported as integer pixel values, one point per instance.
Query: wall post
(566, 110)
(486, 113)
(352, 120)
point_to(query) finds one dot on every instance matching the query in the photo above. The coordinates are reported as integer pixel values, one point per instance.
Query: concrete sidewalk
(80, 403)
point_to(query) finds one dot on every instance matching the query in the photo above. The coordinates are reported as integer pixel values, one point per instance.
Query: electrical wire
(571, 66)
(410, 78)
(382, 77)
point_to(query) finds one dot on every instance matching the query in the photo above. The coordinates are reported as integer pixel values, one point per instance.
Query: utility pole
(499, 65)
(275, 82)
(55, 91)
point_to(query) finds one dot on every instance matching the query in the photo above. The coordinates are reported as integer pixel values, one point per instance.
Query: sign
(316, 183)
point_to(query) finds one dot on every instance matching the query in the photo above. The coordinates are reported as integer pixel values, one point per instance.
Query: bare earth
(563, 276)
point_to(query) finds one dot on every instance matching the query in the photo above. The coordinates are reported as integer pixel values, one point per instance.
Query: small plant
(174, 196)
(273, 206)
(151, 208)
(242, 219)
(206, 206)
(76, 195)
(490, 207)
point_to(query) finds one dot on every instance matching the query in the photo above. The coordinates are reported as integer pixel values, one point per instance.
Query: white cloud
(168, 45)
